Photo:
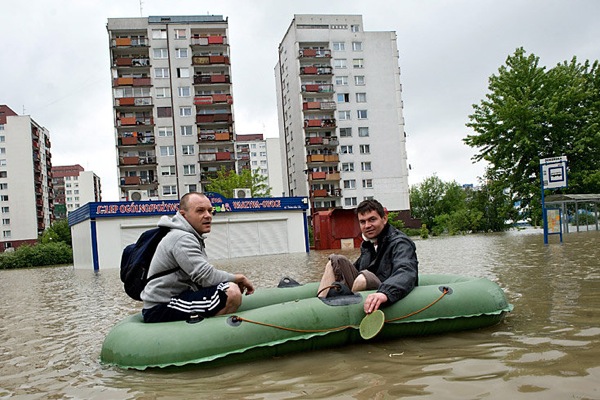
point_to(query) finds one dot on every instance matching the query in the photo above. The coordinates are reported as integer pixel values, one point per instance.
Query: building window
(4, 197)
(350, 184)
(6, 234)
(163, 92)
(181, 53)
(185, 111)
(341, 80)
(167, 151)
(164, 112)
(169, 190)
(355, 28)
(191, 188)
(180, 34)
(184, 91)
(165, 131)
(358, 63)
(1, 127)
(343, 98)
(350, 201)
(167, 170)
(363, 131)
(5, 221)
(348, 167)
(361, 114)
(359, 80)
(361, 97)
(339, 63)
(367, 183)
(5, 210)
(161, 72)
(346, 149)
(159, 33)
(186, 130)
(160, 53)
(345, 132)
(3, 186)
(365, 149)
(365, 166)
(2, 137)
(189, 169)
(357, 46)
(183, 72)
(343, 115)
(2, 162)
(339, 46)
(187, 149)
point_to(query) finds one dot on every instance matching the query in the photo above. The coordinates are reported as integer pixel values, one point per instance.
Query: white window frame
(366, 166)
(344, 115)
(350, 201)
(357, 46)
(358, 63)
(185, 111)
(180, 34)
(341, 80)
(365, 148)
(181, 53)
(345, 132)
(169, 190)
(340, 63)
(167, 151)
(159, 33)
(350, 184)
(168, 170)
(189, 169)
(160, 53)
(367, 183)
(165, 131)
(186, 130)
(184, 91)
(338, 46)
(346, 149)
(363, 131)
(361, 97)
(348, 167)
(362, 114)
(359, 80)
(163, 92)
(161, 72)
(188, 149)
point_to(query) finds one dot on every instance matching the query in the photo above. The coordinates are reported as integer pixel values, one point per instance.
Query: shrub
(37, 256)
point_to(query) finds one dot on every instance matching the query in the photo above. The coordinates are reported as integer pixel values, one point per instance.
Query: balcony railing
(136, 140)
(214, 118)
(320, 123)
(318, 105)
(128, 121)
(129, 81)
(213, 99)
(218, 156)
(323, 158)
(313, 70)
(133, 101)
(132, 62)
(136, 160)
(197, 40)
(322, 141)
(317, 88)
(129, 42)
(209, 60)
(315, 53)
(207, 79)
(215, 137)
(326, 193)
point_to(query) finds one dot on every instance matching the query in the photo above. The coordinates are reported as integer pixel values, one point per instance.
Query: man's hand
(244, 284)
(373, 301)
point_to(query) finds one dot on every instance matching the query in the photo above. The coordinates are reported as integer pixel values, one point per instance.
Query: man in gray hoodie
(197, 289)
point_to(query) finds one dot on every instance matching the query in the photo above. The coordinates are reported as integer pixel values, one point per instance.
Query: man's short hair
(366, 206)
(183, 202)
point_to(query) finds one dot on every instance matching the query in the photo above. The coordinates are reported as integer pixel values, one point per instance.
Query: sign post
(553, 175)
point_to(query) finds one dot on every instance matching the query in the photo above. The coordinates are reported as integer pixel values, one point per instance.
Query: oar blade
(371, 324)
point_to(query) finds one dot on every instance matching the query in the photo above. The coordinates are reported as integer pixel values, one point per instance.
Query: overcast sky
(55, 65)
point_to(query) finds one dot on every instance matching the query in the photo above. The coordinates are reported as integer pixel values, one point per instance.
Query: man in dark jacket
(387, 263)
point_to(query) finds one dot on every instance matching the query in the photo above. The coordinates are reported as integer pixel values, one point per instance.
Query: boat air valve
(234, 320)
(445, 289)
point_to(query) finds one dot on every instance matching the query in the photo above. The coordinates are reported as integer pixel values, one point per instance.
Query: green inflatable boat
(290, 318)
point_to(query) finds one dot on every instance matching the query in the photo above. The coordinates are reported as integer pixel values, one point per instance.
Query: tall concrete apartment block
(26, 203)
(73, 187)
(172, 95)
(340, 113)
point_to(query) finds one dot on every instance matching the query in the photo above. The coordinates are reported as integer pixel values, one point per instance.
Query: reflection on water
(54, 321)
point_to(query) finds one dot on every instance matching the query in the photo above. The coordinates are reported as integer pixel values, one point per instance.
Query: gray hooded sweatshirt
(182, 247)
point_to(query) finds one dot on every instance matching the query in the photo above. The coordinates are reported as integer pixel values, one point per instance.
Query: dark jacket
(395, 262)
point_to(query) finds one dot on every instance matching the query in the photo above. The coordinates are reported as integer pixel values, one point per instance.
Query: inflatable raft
(277, 321)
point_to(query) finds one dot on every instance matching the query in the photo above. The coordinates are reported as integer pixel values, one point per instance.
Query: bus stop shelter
(575, 207)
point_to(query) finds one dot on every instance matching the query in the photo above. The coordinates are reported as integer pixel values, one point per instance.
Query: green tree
(530, 113)
(59, 231)
(226, 181)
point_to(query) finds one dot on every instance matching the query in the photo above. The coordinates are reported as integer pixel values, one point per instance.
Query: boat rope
(445, 291)
(236, 319)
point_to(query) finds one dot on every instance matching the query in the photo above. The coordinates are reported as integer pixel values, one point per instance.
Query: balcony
(132, 62)
(210, 60)
(326, 193)
(319, 123)
(198, 40)
(314, 70)
(133, 101)
(136, 161)
(213, 99)
(137, 181)
(129, 81)
(323, 158)
(322, 141)
(214, 118)
(317, 88)
(215, 137)
(216, 157)
(315, 53)
(136, 141)
(318, 105)
(129, 42)
(130, 121)
(202, 79)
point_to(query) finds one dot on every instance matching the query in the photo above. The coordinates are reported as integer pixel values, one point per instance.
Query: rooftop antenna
(141, 15)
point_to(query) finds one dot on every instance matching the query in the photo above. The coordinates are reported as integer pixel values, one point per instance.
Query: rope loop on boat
(236, 319)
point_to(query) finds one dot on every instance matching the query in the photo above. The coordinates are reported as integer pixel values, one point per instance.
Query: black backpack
(135, 262)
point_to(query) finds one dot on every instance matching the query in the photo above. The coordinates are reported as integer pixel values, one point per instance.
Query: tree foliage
(226, 181)
(59, 231)
(531, 113)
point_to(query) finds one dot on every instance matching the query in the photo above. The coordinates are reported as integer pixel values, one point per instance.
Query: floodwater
(53, 322)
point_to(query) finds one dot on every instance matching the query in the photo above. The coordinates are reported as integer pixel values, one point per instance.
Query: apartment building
(257, 153)
(26, 203)
(173, 112)
(340, 113)
(73, 187)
